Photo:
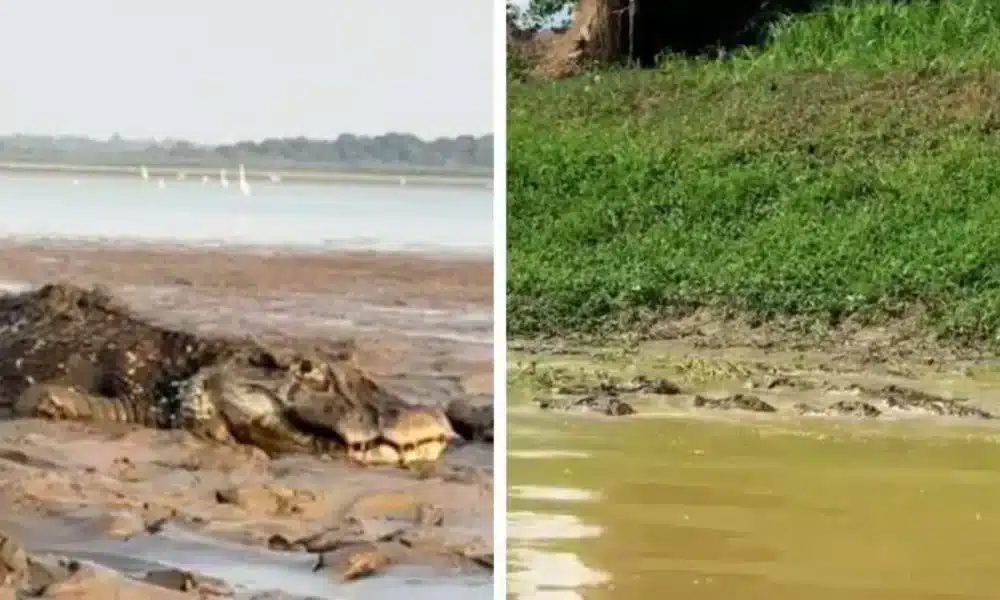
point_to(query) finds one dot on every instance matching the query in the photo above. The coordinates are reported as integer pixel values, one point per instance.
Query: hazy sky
(222, 70)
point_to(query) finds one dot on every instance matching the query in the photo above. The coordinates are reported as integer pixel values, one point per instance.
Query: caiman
(72, 353)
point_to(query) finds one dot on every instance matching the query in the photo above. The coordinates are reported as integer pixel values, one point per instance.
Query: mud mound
(61, 300)
(89, 340)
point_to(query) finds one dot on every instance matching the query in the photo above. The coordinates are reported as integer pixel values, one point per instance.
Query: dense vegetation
(849, 167)
(393, 151)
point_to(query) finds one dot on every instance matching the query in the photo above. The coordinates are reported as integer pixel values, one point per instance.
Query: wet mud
(682, 378)
(119, 509)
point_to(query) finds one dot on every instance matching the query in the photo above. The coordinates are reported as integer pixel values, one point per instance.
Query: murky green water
(781, 509)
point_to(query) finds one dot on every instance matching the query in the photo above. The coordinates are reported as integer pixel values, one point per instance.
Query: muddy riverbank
(139, 501)
(781, 462)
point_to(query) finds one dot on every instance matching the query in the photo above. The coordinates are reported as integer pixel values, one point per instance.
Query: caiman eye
(306, 367)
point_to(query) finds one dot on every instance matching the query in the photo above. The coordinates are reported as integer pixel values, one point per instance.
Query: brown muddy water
(678, 502)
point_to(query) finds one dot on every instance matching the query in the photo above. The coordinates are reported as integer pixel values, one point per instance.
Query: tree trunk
(601, 31)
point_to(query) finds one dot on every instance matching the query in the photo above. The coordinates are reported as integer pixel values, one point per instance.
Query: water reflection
(666, 507)
(539, 569)
(539, 572)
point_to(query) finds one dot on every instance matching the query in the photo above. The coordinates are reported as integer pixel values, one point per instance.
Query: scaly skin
(75, 354)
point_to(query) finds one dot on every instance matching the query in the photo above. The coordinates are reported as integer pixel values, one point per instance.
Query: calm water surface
(335, 216)
(683, 508)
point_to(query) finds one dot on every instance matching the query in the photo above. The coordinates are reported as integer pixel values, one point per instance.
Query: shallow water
(335, 216)
(777, 509)
(249, 570)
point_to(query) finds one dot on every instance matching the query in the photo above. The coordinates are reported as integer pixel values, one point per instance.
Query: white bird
(145, 172)
(402, 181)
(161, 184)
(204, 178)
(244, 185)
(222, 178)
(275, 178)
(181, 176)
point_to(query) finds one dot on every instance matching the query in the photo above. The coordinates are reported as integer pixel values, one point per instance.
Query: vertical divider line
(500, 299)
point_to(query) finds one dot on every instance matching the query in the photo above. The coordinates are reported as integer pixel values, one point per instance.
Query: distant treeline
(392, 151)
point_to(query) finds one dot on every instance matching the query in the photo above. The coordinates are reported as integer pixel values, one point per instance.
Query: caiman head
(293, 402)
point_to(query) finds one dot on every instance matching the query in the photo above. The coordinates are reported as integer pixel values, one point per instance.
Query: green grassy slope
(851, 167)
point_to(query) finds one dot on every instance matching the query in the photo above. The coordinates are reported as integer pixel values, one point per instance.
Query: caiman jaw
(381, 452)
(372, 453)
(376, 453)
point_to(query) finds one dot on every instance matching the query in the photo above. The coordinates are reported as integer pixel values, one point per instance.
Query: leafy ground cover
(848, 168)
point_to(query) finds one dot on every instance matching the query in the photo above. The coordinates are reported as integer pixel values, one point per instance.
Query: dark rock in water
(841, 408)
(734, 402)
(604, 404)
(908, 399)
(472, 421)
